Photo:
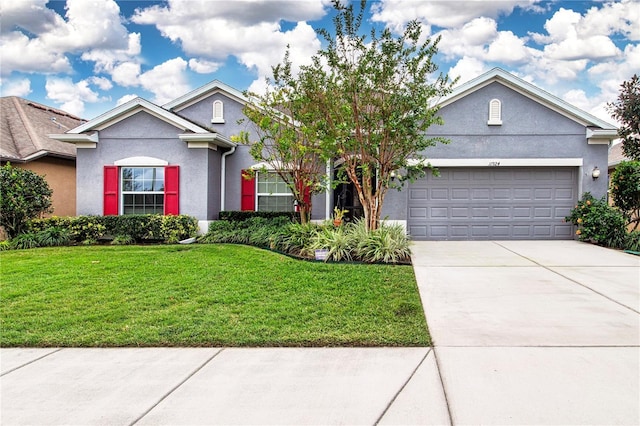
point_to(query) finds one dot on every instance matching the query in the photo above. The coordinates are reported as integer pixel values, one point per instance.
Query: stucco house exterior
(25, 126)
(518, 160)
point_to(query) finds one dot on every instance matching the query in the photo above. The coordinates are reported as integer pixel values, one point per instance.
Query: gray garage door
(493, 203)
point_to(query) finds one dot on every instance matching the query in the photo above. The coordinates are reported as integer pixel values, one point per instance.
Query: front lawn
(202, 295)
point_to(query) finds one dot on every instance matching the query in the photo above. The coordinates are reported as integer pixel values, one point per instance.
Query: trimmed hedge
(239, 216)
(134, 228)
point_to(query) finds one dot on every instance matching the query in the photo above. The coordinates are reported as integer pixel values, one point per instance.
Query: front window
(142, 190)
(273, 193)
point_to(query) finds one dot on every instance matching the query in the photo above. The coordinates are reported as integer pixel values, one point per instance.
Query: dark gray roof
(25, 126)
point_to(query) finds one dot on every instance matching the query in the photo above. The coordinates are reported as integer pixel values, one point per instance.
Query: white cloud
(594, 48)
(507, 48)
(469, 40)
(126, 74)
(18, 87)
(101, 82)
(467, 69)
(31, 15)
(71, 96)
(202, 66)
(621, 17)
(250, 31)
(125, 99)
(166, 81)
(446, 14)
(106, 60)
(19, 53)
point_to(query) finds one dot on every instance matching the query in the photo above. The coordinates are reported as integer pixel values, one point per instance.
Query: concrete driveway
(533, 332)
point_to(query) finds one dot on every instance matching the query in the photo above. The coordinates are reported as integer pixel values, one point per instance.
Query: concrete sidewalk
(525, 333)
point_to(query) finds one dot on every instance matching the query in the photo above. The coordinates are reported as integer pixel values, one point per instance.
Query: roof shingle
(25, 126)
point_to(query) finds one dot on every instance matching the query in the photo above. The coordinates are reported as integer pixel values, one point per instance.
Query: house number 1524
(494, 163)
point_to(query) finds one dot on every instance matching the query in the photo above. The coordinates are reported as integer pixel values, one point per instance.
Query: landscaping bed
(202, 295)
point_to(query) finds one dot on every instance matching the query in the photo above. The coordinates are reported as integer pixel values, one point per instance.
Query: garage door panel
(493, 203)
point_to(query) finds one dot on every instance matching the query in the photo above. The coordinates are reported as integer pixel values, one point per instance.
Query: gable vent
(495, 113)
(218, 112)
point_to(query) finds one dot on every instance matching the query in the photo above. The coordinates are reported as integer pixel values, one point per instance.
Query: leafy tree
(626, 109)
(625, 190)
(286, 125)
(24, 195)
(377, 103)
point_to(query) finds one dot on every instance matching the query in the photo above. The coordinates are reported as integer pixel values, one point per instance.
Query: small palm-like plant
(54, 236)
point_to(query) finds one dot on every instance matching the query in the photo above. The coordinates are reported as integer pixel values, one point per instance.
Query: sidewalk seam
(402, 387)
(548, 268)
(172, 390)
(30, 362)
(444, 389)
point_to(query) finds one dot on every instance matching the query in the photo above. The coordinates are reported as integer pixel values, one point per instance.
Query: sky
(89, 56)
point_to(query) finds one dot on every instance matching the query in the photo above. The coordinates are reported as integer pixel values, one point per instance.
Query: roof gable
(203, 92)
(133, 107)
(530, 91)
(25, 126)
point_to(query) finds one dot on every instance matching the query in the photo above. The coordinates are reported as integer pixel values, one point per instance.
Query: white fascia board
(81, 141)
(277, 165)
(208, 89)
(601, 136)
(197, 140)
(133, 107)
(498, 162)
(526, 89)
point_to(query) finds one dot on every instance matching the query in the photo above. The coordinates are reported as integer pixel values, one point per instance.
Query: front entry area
(489, 203)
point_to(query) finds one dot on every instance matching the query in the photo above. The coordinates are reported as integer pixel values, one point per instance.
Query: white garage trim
(499, 162)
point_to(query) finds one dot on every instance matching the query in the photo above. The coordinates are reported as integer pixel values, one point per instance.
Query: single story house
(25, 126)
(518, 160)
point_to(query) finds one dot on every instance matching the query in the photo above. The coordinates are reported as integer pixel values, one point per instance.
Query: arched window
(218, 112)
(495, 113)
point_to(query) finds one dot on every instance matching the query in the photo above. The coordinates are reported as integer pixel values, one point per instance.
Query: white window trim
(141, 162)
(495, 112)
(121, 190)
(217, 118)
(268, 194)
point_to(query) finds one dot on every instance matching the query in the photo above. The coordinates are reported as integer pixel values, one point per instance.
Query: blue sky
(88, 56)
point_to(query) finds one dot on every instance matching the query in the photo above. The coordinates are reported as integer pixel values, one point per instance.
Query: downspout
(223, 175)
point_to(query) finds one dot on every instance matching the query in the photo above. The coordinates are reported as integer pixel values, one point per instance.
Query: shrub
(54, 236)
(256, 231)
(297, 238)
(122, 240)
(239, 216)
(598, 222)
(633, 241)
(24, 195)
(625, 190)
(388, 244)
(5, 245)
(336, 240)
(26, 240)
(137, 228)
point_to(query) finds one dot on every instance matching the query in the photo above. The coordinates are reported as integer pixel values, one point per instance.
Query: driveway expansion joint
(31, 362)
(550, 269)
(173, 389)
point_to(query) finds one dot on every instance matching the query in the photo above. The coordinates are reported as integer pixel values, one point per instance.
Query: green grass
(202, 295)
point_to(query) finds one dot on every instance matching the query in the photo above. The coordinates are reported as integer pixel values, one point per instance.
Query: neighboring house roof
(86, 133)
(616, 156)
(25, 126)
(603, 129)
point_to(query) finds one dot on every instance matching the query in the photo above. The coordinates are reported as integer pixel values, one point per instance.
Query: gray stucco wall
(529, 130)
(144, 135)
(201, 113)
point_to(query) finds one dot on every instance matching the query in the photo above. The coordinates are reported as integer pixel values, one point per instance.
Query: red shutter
(248, 192)
(172, 190)
(110, 204)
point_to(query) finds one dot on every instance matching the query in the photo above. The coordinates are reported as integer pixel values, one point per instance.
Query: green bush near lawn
(349, 242)
(602, 224)
(202, 295)
(121, 229)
